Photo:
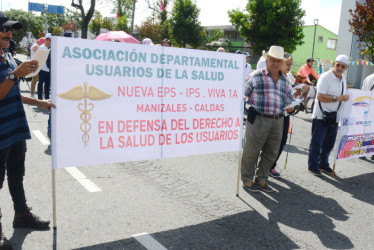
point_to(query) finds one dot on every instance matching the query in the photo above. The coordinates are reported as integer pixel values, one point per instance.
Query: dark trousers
(286, 124)
(321, 144)
(44, 79)
(12, 162)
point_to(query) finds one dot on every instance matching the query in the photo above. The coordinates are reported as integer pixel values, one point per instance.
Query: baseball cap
(48, 36)
(343, 59)
(5, 22)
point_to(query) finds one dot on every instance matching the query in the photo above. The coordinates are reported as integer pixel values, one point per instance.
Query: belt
(270, 116)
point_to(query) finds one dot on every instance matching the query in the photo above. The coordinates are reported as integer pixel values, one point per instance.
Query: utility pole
(133, 17)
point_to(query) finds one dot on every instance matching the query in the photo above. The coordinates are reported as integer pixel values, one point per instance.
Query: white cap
(343, 59)
(147, 41)
(49, 35)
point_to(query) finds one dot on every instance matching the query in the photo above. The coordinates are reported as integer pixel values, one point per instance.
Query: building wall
(321, 50)
(348, 45)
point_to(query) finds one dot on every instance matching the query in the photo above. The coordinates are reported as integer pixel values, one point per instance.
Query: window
(320, 39)
(331, 43)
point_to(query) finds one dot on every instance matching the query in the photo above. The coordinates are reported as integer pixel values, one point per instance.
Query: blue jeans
(44, 78)
(12, 159)
(321, 144)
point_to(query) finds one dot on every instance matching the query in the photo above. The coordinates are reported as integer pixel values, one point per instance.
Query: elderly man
(268, 91)
(331, 90)
(14, 131)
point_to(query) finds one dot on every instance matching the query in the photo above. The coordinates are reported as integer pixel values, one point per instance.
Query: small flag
(162, 7)
(117, 16)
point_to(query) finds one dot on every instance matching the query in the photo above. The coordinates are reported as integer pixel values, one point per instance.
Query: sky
(326, 11)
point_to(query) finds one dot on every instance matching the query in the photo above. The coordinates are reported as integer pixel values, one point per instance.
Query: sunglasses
(5, 29)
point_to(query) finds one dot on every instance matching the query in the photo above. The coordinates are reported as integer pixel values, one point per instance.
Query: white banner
(357, 126)
(120, 102)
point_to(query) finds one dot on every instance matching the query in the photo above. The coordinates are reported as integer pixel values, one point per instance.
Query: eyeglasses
(5, 29)
(341, 66)
(289, 64)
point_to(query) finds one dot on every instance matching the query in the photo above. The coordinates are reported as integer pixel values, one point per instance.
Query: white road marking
(45, 141)
(148, 242)
(83, 180)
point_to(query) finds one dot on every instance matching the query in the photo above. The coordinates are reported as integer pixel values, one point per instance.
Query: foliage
(99, 22)
(122, 7)
(184, 26)
(214, 35)
(160, 8)
(151, 30)
(270, 22)
(122, 24)
(362, 25)
(35, 24)
(57, 31)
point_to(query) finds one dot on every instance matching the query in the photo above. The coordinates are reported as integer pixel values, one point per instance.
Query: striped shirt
(13, 123)
(266, 96)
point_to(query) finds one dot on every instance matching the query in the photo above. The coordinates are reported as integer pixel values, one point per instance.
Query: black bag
(329, 118)
(251, 114)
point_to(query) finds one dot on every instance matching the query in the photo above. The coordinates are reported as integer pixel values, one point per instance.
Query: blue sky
(214, 12)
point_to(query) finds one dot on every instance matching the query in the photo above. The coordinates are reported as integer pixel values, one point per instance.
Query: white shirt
(329, 84)
(44, 68)
(247, 70)
(261, 63)
(368, 82)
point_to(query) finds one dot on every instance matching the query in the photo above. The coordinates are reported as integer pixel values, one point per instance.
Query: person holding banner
(268, 91)
(14, 130)
(331, 89)
(368, 84)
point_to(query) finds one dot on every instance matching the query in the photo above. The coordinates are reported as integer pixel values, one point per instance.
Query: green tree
(86, 16)
(270, 22)
(150, 30)
(34, 24)
(362, 25)
(99, 22)
(122, 7)
(122, 24)
(214, 35)
(160, 8)
(184, 26)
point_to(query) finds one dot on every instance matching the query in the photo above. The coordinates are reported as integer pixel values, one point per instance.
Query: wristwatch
(12, 77)
(334, 100)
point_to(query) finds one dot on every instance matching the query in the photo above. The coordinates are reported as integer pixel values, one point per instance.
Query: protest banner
(356, 137)
(119, 102)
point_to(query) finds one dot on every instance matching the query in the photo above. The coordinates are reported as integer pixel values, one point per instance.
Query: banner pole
(54, 197)
(337, 146)
(238, 180)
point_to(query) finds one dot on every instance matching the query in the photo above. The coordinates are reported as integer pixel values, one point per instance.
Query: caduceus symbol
(78, 93)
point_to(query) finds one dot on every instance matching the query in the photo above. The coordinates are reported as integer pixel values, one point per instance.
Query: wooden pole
(54, 197)
(238, 180)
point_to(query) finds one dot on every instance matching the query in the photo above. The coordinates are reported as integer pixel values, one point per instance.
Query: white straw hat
(276, 52)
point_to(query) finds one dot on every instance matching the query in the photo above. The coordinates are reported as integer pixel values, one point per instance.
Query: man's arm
(330, 98)
(36, 102)
(24, 69)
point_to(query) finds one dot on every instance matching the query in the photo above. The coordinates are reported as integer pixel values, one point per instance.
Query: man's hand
(26, 68)
(45, 104)
(290, 110)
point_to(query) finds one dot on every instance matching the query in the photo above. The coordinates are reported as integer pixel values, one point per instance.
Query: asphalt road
(190, 202)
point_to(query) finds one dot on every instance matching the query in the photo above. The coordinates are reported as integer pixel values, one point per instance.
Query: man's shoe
(274, 173)
(326, 170)
(263, 186)
(372, 157)
(4, 243)
(26, 219)
(315, 172)
(250, 186)
(308, 111)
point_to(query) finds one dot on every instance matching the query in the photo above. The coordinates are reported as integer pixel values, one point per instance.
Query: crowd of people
(268, 90)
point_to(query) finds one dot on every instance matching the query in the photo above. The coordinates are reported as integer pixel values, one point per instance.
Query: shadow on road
(303, 210)
(361, 187)
(240, 231)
